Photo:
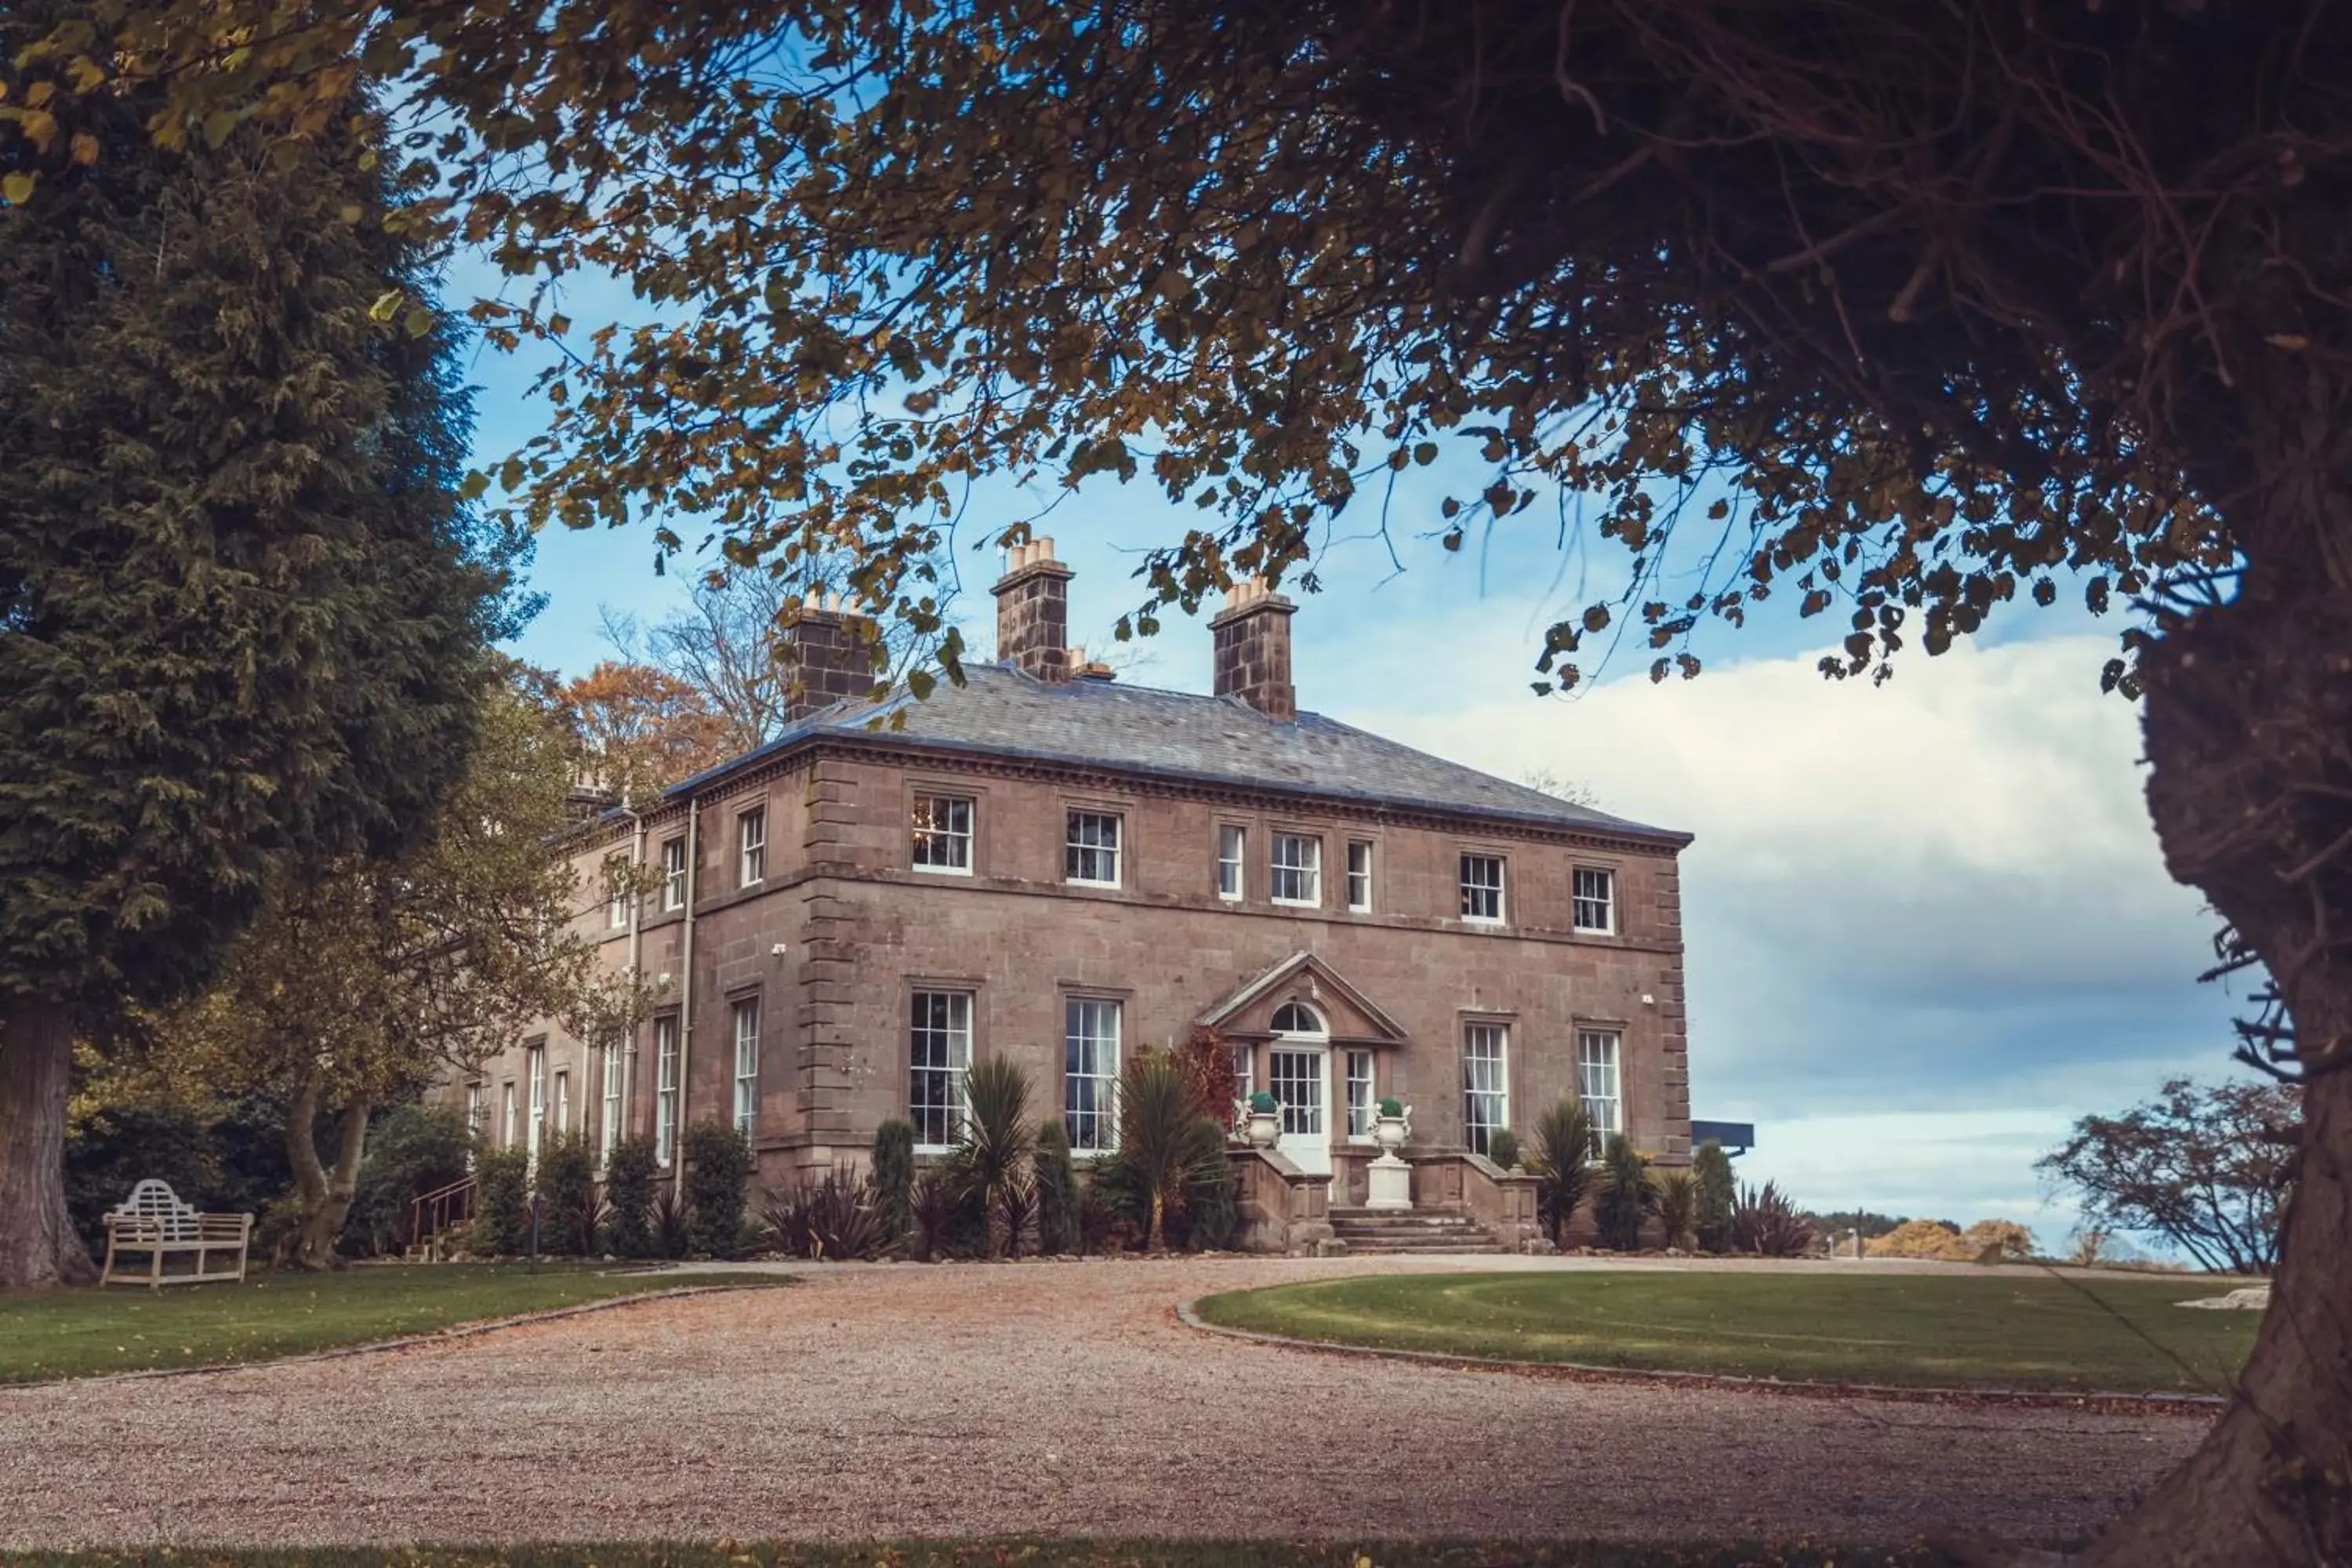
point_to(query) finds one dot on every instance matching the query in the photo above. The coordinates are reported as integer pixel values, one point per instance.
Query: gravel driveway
(1029, 1399)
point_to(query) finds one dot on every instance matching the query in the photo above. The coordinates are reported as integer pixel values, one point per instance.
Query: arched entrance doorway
(1298, 1072)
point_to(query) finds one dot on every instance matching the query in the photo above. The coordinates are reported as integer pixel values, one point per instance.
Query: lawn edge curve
(2197, 1404)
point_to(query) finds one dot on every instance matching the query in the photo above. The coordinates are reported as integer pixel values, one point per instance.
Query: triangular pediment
(1303, 977)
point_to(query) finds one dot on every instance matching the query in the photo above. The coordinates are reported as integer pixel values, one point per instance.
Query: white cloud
(1927, 923)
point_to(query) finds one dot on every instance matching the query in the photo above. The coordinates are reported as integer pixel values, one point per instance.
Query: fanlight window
(1292, 1018)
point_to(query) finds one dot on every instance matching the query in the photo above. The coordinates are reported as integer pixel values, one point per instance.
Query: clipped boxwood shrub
(501, 1203)
(630, 1172)
(1503, 1147)
(718, 1182)
(567, 1195)
(1057, 1190)
(894, 1179)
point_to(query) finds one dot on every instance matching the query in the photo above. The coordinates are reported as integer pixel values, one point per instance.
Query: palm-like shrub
(1677, 1204)
(893, 1177)
(993, 1160)
(1622, 1199)
(1767, 1225)
(1563, 1160)
(1711, 1170)
(670, 1219)
(1166, 1147)
(840, 1216)
(630, 1173)
(1057, 1190)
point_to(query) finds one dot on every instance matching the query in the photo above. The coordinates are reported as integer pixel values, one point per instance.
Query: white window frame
(1233, 862)
(1359, 876)
(665, 1088)
(1079, 843)
(745, 1022)
(617, 1067)
(1603, 899)
(673, 873)
(1473, 893)
(562, 1101)
(1485, 1045)
(939, 1057)
(1090, 1059)
(1363, 1099)
(934, 830)
(751, 847)
(478, 1119)
(509, 1115)
(1302, 872)
(1600, 1082)
(616, 892)
(534, 1059)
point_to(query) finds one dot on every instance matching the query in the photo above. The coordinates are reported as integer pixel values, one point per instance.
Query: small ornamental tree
(1717, 1193)
(2206, 1169)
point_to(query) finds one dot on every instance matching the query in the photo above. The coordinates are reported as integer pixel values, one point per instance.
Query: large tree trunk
(2248, 715)
(326, 1191)
(39, 1248)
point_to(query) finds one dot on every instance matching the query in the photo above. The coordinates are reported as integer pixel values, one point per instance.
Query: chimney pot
(1032, 612)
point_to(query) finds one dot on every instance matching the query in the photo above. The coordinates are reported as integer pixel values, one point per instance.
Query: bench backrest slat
(154, 1203)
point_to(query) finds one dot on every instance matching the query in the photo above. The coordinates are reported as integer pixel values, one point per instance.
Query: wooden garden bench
(154, 1221)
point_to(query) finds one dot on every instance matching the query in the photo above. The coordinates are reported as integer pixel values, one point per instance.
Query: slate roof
(1001, 712)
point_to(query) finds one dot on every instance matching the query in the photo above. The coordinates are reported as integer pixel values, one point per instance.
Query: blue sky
(1928, 924)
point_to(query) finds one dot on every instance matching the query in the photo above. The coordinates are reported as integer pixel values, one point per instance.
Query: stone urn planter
(1263, 1124)
(1389, 1180)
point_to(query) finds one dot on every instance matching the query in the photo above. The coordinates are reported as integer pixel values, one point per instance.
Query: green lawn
(80, 1333)
(1918, 1330)
(1016, 1554)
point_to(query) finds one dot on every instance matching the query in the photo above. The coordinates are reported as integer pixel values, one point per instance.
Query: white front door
(1300, 1079)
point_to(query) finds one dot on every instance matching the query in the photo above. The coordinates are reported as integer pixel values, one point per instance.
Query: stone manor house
(1051, 865)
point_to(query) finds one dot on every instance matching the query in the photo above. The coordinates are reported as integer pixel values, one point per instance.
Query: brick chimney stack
(831, 648)
(1032, 612)
(1252, 640)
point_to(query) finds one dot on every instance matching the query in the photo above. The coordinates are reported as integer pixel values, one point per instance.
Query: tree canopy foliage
(242, 608)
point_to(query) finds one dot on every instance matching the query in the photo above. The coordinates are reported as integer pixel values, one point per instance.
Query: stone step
(1459, 1249)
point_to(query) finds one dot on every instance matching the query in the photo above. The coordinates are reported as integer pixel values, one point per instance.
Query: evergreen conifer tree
(243, 610)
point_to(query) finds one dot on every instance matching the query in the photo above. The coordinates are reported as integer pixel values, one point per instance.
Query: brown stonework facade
(916, 903)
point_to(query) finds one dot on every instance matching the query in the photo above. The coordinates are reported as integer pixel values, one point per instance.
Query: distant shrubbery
(1989, 1240)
